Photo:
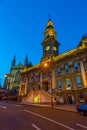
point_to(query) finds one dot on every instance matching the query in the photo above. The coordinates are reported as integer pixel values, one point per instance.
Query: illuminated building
(12, 80)
(61, 76)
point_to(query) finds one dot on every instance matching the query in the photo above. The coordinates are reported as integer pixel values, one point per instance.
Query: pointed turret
(83, 41)
(14, 61)
(50, 32)
(26, 61)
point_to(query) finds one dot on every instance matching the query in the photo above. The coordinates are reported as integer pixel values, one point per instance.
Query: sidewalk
(63, 107)
(66, 107)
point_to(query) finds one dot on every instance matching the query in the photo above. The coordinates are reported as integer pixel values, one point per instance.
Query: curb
(57, 108)
(45, 106)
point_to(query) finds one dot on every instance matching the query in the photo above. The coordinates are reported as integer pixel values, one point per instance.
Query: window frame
(60, 82)
(58, 70)
(67, 84)
(76, 66)
(77, 81)
(66, 68)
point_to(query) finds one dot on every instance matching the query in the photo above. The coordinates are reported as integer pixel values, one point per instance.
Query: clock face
(54, 48)
(47, 48)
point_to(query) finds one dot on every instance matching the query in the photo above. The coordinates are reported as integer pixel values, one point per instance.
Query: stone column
(83, 74)
(41, 80)
(20, 88)
(26, 86)
(53, 79)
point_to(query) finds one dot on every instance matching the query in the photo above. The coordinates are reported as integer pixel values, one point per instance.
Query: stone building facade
(57, 76)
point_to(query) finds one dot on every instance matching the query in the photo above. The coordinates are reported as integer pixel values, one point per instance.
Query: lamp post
(51, 95)
(7, 81)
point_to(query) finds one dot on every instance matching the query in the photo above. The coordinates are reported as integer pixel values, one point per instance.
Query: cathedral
(12, 80)
(59, 78)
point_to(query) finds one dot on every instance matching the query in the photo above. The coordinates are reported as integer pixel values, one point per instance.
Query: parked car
(82, 109)
(59, 99)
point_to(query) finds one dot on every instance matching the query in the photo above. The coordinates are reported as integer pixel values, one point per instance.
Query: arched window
(59, 85)
(68, 83)
(78, 80)
(58, 71)
(76, 66)
(66, 68)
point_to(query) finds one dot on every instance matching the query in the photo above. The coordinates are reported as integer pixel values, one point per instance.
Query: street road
(21, 117)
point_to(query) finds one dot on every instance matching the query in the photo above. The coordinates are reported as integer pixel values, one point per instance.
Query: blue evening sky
(23, 22)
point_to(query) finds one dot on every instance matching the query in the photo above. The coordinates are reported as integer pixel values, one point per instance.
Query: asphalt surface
(21, 117)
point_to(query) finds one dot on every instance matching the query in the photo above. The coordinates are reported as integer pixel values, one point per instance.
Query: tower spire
(14, 61)
(26, 61)
(49, 16)
(49, 31)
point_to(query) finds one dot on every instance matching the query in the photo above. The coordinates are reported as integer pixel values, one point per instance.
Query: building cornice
(70, 53)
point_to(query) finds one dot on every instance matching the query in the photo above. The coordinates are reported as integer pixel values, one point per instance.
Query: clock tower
(50, 44)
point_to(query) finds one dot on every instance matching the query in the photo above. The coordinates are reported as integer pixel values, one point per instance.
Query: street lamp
(51, 95)
(7, 81)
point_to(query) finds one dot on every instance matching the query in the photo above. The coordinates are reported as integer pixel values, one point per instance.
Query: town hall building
(59, 78)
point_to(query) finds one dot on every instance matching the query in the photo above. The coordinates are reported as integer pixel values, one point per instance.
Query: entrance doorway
(36, 99)
(45, 86)
(71, 99)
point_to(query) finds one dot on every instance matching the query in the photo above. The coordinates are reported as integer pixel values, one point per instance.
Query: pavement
(63, 107)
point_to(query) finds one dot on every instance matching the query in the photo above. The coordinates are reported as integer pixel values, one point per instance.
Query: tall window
(68, 83)
(66, 68)
(58, 70)
(78, 80)
(76, 66)
(59, 85)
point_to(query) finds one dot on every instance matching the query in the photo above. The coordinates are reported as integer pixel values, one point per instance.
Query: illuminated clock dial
(54, 48)
(47, 48)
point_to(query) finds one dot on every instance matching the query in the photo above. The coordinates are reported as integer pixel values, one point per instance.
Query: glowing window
(59, 85)
(78, 80)
(76, 66)
(66, 68)
(68, 83)
(58, 70)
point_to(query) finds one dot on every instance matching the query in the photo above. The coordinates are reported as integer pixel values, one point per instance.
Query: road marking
(37, 128)
(3, 107)
(58, 123)
(81, 125)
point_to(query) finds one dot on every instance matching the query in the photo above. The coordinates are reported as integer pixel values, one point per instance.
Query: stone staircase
(38, 97)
